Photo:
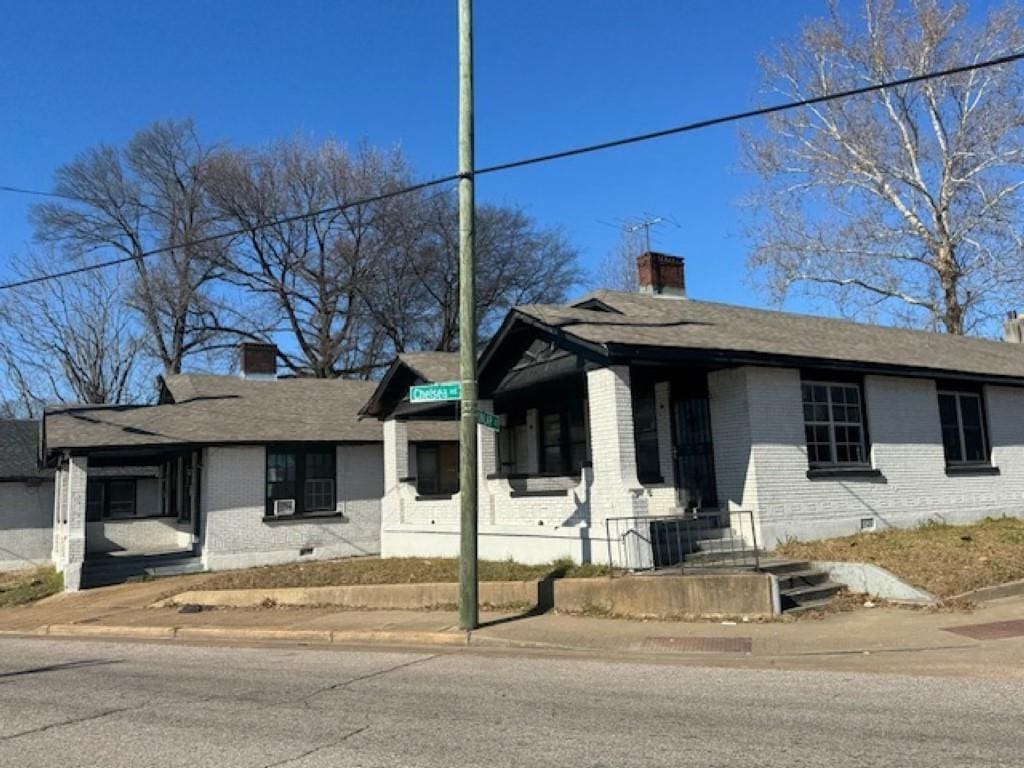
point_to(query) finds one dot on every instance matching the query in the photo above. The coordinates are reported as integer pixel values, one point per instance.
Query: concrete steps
(801, 586)
(104, 570)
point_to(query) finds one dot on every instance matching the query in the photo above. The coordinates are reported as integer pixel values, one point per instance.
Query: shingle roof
(211, 409)
(732, 332)
(433, 366)
(19, 448)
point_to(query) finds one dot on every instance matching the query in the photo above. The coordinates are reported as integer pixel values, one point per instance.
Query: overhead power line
(535, 160)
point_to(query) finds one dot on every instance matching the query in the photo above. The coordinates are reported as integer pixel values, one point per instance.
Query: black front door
(693, 451)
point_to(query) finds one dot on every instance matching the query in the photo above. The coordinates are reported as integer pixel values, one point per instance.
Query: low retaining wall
(744, 594)
(713, 595)
(499, 594)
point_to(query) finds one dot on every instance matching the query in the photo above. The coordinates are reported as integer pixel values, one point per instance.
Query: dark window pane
(974, 445)
(121, 498)
(448, 461)
(970, 411)
(951, 444)
(94, 501)
(552, 457)
(320, 465)
(947, 411)
(428, 469)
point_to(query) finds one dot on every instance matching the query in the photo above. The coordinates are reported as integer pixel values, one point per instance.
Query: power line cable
(228, 234)
(535, 160)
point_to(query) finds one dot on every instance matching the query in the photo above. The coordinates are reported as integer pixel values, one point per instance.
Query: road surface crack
(308, 752)
(63, 723)
(368, 676)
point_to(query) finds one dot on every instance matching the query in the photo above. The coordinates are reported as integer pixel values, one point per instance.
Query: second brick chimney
(662, 275)
(257, 360)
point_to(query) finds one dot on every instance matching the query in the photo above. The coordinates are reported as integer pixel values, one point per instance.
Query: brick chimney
(1013, 328)
(661, 275)
(257, 360)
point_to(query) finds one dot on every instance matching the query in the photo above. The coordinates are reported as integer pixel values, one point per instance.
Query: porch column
(74, 551)
(616, 491)
(663, 414)
(396, 454)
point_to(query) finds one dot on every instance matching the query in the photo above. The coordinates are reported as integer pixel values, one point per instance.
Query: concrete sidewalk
(885, 638)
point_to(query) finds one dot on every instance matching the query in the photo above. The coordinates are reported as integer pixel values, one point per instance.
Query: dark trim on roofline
(623, 354)
(369, 407)
(91, 449)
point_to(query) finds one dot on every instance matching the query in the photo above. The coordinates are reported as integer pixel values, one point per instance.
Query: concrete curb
(996, 592)
(246, 634)
(875, 581)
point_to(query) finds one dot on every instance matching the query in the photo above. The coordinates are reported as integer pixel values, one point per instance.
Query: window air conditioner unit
(284, 507)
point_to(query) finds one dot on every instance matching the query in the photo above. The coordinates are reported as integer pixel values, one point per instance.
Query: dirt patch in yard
(944, 559)
(397, 570)
(22, 587)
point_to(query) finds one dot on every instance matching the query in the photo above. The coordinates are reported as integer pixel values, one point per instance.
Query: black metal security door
(693, 451)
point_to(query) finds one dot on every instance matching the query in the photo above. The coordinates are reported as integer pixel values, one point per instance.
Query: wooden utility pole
(468, 608)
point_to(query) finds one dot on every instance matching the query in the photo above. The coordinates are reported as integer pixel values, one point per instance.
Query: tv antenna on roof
(645, 224)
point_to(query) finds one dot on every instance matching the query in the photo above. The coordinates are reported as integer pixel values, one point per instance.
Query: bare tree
(416, 297)
(150, 194)
(905, 202)
(618, 270)
(308, 271)
(70, 340)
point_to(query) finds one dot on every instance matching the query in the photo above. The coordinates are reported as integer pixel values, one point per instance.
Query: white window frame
(831, 423)
(956, 394)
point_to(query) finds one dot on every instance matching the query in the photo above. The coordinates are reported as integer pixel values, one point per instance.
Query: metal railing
(687, 542)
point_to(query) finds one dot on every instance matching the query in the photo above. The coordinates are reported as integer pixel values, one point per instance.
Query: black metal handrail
(688, 542)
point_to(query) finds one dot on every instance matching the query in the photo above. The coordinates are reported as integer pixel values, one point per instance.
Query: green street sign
(489, 420)
(440, 392)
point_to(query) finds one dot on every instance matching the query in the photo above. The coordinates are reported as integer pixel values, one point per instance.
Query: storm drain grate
(699, 644)
(995, 630)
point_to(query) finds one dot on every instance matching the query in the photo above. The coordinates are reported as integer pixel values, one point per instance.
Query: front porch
(579, 455)
(124, 513)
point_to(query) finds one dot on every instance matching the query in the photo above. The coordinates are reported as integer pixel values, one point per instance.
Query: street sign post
(489, 420)
(440, 392)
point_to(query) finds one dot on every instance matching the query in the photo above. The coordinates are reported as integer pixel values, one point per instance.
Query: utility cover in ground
(435, 393)
(489, 420)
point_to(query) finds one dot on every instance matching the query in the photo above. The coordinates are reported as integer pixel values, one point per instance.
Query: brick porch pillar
(616, 491)
(396, 453)
(73, 491)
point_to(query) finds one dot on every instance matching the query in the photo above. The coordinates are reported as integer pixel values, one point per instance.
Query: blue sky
(549, 75)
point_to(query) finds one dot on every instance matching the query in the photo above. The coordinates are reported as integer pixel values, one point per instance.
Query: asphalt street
(67, 703)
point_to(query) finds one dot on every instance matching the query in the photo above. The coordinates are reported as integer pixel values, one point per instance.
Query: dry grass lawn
(399, 570)
(21, 587)
(946, 560)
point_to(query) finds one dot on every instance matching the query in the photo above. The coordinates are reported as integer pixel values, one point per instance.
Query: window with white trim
(963, 428)
(834, 424)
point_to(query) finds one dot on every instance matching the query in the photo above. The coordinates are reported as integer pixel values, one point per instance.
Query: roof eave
(624, 353)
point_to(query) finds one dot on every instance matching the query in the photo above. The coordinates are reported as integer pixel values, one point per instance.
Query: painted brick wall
(663, 498)
(236, 535)
(903, 425)
(730, 430)
(26, 524)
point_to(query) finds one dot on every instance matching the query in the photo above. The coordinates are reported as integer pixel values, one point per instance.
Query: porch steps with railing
(802, 587)
(104, 570)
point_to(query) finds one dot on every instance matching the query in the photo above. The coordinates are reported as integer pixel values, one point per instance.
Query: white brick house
(776, 424)
(223, 472)
(26, 497)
